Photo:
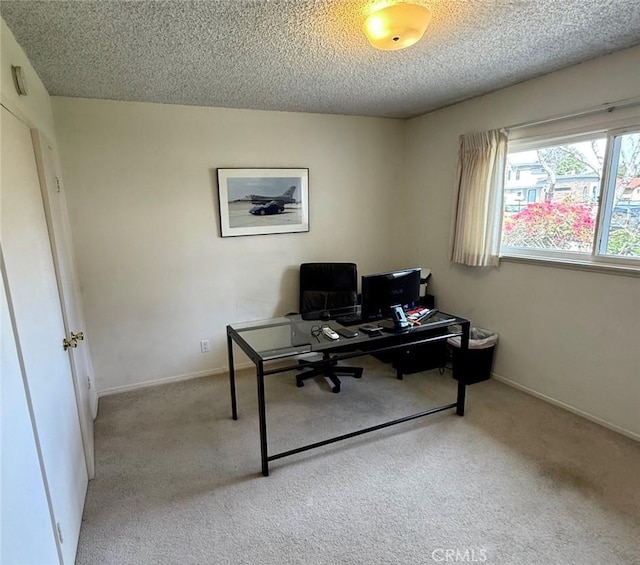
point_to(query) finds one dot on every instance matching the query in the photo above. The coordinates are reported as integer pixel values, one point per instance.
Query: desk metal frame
(405, 341)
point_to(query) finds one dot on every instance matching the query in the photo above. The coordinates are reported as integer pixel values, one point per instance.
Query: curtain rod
(605, 107)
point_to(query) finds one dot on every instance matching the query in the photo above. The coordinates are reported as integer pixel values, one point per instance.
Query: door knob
(67, 343)
(78, 337)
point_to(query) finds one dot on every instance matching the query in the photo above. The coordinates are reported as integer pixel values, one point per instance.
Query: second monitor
(381, 291)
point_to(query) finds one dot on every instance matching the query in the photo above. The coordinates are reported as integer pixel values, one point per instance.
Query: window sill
(575, 264)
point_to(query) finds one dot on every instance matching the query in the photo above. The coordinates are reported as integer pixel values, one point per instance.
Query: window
(582, 200)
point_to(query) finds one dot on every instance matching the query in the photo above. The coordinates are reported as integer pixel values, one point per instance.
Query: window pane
(621, 221)
(551, 196)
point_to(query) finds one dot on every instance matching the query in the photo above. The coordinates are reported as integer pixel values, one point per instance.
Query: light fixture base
(19, 80)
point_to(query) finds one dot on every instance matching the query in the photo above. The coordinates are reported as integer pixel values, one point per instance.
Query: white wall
(568, 335)
(156, 276)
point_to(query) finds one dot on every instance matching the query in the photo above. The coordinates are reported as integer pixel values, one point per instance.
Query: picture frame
(259, 201)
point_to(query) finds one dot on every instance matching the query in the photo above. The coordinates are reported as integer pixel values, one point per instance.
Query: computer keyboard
(349, 319)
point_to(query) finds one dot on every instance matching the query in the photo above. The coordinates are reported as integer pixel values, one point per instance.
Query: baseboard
(174, 379)
(568, 407)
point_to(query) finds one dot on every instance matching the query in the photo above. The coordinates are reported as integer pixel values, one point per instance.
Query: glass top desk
(282, 339)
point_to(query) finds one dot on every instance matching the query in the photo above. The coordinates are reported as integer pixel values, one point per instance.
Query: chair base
(330, 373)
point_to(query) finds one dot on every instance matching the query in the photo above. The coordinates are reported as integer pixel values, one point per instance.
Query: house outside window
(574, 198)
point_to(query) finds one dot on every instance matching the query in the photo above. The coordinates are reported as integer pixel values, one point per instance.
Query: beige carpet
(516, 481)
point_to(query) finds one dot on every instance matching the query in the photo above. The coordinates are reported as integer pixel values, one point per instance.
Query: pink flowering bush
(551, 225)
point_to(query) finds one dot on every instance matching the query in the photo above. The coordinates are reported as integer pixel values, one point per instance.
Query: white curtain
(477, 211)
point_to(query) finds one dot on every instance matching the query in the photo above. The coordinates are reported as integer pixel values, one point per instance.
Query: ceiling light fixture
(397, 26)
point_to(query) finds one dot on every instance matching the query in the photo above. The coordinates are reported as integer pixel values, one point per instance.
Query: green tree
(571, 165)
(568, 159)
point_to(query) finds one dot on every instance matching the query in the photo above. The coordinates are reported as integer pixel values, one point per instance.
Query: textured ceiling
(307, 55)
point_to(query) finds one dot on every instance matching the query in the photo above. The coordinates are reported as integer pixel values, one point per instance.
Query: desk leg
(461, 395)
(232, 379)
(462, 385)
(262, 416)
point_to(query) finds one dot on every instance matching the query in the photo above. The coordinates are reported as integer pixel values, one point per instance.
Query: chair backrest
(324, 286)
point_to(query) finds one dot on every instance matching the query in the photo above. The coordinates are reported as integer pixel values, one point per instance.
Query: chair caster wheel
(335, 389)
(299, 384)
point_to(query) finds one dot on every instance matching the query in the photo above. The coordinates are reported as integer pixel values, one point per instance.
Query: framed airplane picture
(263, 201)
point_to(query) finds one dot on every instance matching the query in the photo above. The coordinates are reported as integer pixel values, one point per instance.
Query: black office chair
(323, 287)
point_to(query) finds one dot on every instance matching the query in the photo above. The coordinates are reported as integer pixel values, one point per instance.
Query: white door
(55, 207)
(35, 308)
(27, 532)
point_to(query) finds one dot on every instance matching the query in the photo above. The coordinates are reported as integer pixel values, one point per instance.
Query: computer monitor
(381, 291)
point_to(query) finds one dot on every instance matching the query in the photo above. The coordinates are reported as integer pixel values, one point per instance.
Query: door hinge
(59, 531)
(58, 184)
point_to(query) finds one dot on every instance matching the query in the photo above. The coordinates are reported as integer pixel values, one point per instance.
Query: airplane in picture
(285, 198)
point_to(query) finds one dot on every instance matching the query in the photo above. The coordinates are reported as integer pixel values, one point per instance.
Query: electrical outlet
(205, 346)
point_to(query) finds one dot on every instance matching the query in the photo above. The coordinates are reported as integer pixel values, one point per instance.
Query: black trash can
(477, 365)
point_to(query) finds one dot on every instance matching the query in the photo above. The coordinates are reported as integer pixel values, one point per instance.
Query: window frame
(596, 259)
(607, 195)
